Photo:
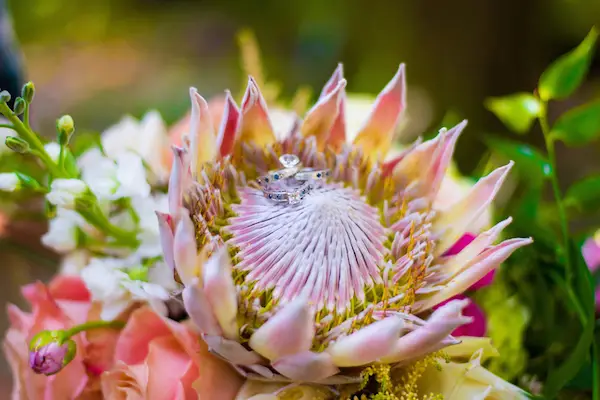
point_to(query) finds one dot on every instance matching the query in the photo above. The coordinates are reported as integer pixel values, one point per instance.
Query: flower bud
(28, 92)
(27, 181)
(4, 96)
(17, 144)
(65, 127)
(50, 351)
(19, 106)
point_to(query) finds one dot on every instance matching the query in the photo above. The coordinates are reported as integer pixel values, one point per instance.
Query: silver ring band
(311, 173)
(291, 196)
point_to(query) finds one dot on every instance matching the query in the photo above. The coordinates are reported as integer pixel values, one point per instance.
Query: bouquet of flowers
(248, 253)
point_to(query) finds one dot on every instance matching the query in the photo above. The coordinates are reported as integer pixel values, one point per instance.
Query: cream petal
(254, 125)
(228, 127)
(480, 266)
(289, 331)
(203, 147)
(176, 181)
(184, 248)
(307, 366)
(197, 306)
(368, 344)
(470, 345)
(337, 133)
(220, 291)
(377, 134)
(166, 238)
(427, 338)
(454, 222)
(320, 119)
(231, 350)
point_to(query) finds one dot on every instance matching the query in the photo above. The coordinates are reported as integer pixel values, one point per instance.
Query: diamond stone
(289, 160)
(294, 198)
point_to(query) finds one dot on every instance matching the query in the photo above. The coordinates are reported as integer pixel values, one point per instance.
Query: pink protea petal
(220, 291)
(289, 331)
(309, 248)
(254, 125)
(426, 163)
(307, 366)
(479, 267)
(184, 248)
(378, 132)
(444, 157)
(321, 118)
(228, 127)
(167, 238)
(442, 322)
(487, 280)
(203, 145)
(454, 221)
(337, 133)
(231, 350)
(477, 327)
(461, 261)
(199, 309)
(176, 181)
(368, 344)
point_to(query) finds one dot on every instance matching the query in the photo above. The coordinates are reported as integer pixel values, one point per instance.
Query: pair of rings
(292, 182)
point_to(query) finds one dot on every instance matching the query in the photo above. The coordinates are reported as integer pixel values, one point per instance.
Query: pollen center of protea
(328, 247)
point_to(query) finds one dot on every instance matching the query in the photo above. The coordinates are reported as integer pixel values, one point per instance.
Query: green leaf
(582, 286)
(565, 74)
(584, 195)
(528, 160)
(516, 111)
(578, 126)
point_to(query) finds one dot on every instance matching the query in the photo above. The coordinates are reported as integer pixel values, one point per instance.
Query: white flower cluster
(119, 176)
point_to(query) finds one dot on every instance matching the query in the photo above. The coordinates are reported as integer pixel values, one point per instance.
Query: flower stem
(562, 215)
(34, 141)
(88, 326)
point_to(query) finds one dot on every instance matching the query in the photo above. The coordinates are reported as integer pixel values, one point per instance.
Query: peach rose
(157, 358)
(63, 303)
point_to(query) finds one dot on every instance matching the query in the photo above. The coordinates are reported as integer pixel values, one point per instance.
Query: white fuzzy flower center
(328, 247)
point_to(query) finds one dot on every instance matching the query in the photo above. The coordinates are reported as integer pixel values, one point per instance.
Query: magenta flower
(591, 255)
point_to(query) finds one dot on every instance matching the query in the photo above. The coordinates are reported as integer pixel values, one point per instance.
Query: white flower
(149, 235)
(109, 284)
(53, 150)
(62, 232)
(131, 176)
(110, 179)
(148, 138)
(9, 181)
(64, 192)
(74, 262)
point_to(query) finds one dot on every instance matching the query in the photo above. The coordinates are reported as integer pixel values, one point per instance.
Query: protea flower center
(346, 271)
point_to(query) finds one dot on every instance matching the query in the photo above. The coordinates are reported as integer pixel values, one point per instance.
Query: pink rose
(65, 302)
(157, 358)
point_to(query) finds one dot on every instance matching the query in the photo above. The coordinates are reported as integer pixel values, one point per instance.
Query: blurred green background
(100, 59)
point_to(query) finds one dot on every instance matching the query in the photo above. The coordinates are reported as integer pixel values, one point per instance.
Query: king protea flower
(348, 277)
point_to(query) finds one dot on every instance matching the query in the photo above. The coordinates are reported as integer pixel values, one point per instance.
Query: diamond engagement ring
(290, 163)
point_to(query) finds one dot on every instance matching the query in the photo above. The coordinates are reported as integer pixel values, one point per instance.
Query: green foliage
(532, 163)
(516, 111)
(578, 126)
(565, 74)
(584, 195)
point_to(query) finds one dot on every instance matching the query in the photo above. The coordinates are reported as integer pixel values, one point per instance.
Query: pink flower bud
(49, 352)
